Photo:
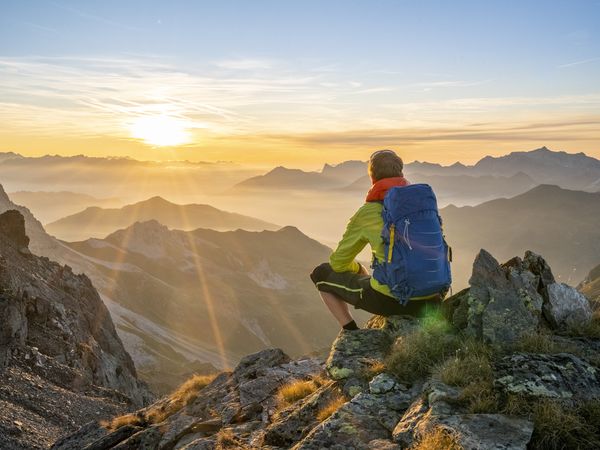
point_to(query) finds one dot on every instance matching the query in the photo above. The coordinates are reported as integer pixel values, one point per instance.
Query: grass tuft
(414, 355)
(330, 408)
(437, 439)
(183, 396)
(121, 421)
(295, 390)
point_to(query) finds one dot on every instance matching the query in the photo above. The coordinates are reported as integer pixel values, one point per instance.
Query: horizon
(316, 167)
(272, 83)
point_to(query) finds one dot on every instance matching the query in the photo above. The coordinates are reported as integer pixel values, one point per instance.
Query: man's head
(385, 164)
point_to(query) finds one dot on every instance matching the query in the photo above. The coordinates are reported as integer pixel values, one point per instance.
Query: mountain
(284, 178)
(510, 379)
(98, 222)
(462, 189)
(51, 206)
(572, 171)
(559, 223)
(590, 286)
(347, 170)
(212, 296)
(124, 178)
(62, 363)
(541, 166)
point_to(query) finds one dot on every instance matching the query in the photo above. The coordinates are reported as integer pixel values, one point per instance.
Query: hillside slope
(61, 360)
(223, 294)
(559, 223)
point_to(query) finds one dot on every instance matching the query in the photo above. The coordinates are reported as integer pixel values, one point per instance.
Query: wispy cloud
(101, 96)
(578, 63)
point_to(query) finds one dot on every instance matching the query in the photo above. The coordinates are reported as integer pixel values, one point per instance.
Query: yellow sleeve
(352, 243)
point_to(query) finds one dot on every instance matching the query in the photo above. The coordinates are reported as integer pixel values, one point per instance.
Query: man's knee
(321, 272)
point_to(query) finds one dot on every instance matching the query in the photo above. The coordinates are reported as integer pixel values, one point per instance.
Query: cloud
(578, 63)
(102, 96)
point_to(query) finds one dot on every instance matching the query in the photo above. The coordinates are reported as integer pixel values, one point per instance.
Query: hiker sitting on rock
(411, 267)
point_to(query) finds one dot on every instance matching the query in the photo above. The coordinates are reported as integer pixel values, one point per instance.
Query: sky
(299, 82)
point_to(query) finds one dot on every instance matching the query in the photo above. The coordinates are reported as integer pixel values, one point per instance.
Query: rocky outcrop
(436, 409)
(58, 345)
(562, 376)
(363, 405)
(520, 292)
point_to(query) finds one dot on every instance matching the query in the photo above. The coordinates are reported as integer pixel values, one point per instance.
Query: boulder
(438, 409)
(520, 292)
(562, 376)
(366, 419)
(12, 226)
(293, 423)
(566, 307)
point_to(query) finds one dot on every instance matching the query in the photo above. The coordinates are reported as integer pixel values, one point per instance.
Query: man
(343, 281)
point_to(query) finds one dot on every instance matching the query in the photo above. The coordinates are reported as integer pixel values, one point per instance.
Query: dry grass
(227, 440)
(558, 426)
(471, 369)
(374, 369)
(540, 342)
(296, 390)
(121, 421)
(438, 439)
(183, 396)
(331, 407)
(413, 356)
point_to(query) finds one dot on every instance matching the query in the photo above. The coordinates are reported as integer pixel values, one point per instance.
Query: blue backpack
(417, 262)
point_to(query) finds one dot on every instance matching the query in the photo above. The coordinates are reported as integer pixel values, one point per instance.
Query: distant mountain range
(461, 189)
(541, 166)
(50, 206)
(560, 224)
(99, 222)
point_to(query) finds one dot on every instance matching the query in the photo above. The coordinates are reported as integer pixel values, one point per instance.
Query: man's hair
(385, 164)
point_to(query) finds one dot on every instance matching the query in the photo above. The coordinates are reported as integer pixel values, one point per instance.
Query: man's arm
(353, 241)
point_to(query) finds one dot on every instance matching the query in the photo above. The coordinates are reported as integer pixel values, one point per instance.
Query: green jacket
(363, 228)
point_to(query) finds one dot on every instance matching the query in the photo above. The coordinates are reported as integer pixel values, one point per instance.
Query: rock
(562, 376)
(566, 307)
(114, 438)
(90, 432)
(500, 294)
(473, 431)
(12, 226)
(366, 418)
(353, 353)
(147, 439)
(295, 422)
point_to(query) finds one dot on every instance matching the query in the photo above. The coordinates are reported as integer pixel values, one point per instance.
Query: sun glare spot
(160, 130)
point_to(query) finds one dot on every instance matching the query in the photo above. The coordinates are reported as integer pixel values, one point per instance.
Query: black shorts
(356, 290)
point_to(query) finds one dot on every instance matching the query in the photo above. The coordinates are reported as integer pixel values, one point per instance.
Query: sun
(161, 130)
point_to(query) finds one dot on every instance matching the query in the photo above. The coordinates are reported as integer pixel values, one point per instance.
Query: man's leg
(337, 292)
(338, 308)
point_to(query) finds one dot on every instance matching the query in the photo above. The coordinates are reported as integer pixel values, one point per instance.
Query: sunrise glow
(160, 131)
